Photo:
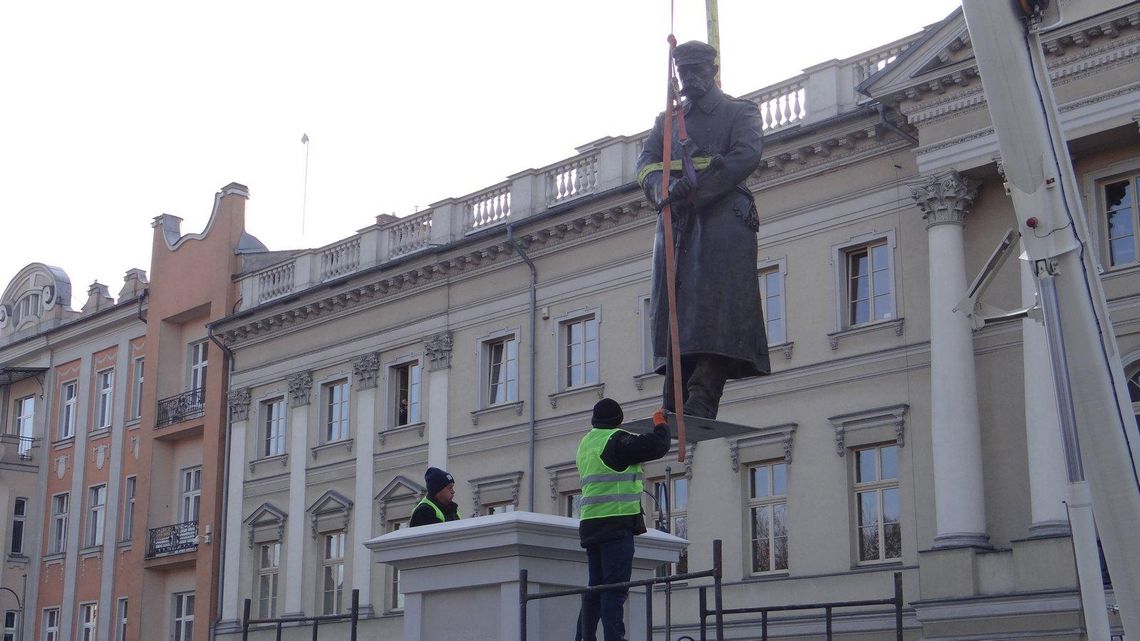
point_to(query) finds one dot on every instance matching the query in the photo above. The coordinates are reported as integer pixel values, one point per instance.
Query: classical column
(959, 492)
(438, 351)
(1047, 479)
(239, 416)
(300, 385)
(364, 371)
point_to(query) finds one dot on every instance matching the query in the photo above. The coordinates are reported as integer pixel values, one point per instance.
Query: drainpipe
(893, 127)
(533, 357)
(141, 313)
(224, 524)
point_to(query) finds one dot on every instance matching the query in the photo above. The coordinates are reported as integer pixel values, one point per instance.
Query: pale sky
(116, 112)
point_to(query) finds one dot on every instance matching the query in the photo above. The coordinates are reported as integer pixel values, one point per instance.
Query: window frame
(395, 596)
(274, 415)
(190, 484)
(24, 423)
(57, 537)
(130, 488)
(87, 629)
(586, 319)
(183, 623)
(779, 268)
(105, 402)
(68, 409)
(413, 365)
(878, 486)
(841, 254)
(267, 607)
(138, 373)
(770, 500)
(336, 413)
(121, 613)
(96, 515)
(336, 566)
(50, 631)
(510, 338)
(1101, 181)
(11, 627)
(198, 361)
(19, 526)
(677, 514)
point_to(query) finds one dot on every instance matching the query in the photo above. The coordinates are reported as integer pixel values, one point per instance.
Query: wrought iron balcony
(16, 448)
(172, 539)
(175, 409)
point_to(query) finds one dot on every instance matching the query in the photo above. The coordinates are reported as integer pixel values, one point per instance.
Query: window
(128, 507)
(26, 308)
(768, 505)
(869, 285)
(25, 415)
(106, 385)
(406, 387)
(67, 413)
(269, 563)
(333, 573)
(137, 392)
(59, 506)
(19, 518)
(877, 503)
(1120, 218)
(274, 436)
(647, 361)
(88, 621)
(1134, 394)
(183, 616)
(191, 493)
(678, 502)
(501, 357)
(499, 508)
(51, 624)
(96, 509)
(336, 411)
(572, 504)
(580, 351)
(199, 353)
(121, 628)
(772, 300)
(396, 600)
(10, 625)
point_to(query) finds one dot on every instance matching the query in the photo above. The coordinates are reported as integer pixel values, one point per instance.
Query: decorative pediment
(497, 488)
(265, 524)
(877, 425)
(942, 58)
(398, 499)
(330, 512)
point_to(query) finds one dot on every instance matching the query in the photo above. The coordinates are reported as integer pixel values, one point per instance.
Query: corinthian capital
(299, 386)
(239, 404)
(944, 197)
(365, 369)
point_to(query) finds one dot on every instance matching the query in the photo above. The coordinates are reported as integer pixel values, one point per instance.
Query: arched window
(1134, 392)
(26, 308)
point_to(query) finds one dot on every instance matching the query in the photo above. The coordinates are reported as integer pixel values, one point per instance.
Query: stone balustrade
(821, 92)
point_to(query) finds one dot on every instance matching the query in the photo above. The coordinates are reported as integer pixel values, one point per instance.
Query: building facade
(890, 437)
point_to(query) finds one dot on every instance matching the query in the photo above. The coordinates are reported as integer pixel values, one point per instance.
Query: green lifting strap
(699, 162)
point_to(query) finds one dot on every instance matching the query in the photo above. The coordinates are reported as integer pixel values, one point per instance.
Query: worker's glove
(680, 189)
(659, 417)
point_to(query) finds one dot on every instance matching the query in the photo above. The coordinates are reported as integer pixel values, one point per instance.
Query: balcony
(172, 539)
(16, 449)
(179, 408)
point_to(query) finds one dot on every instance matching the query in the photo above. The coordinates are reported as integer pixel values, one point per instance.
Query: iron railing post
(764, 626)
(583, 624)
(355, 614)
(245, 619)
(316, 625)
(649, 615)
(522, 604)
(898, 607)
(278, 634)
(702, 600)
(718, 595)
(829, 623)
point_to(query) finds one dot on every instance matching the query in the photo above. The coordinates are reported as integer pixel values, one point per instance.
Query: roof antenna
(305, 188)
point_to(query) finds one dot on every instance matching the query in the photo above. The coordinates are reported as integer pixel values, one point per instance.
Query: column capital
(239, 404)
(438, 349)
(366, 370)
(299, 386)
(944, 197)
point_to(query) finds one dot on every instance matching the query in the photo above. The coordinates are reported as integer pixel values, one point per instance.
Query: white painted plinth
(461, 579)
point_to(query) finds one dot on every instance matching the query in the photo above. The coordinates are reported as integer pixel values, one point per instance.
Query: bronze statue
(714, 230)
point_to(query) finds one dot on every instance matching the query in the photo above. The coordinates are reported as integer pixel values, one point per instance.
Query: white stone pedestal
(461, 579)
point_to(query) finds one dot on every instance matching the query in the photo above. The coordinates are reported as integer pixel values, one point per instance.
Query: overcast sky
(116, 112)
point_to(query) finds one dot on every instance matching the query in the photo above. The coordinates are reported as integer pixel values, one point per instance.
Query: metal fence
(279, 623)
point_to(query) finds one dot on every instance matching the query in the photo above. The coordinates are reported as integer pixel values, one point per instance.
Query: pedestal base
(696, 428)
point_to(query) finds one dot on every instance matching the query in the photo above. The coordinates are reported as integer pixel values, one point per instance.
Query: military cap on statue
(694, 52)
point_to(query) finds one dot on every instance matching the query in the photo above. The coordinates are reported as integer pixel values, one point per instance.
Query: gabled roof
(941, 57)
(400, 487)
(330, 501)
(265, 514)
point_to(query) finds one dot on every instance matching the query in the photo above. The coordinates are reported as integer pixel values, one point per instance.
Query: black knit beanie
(437, 479)
(607, 412)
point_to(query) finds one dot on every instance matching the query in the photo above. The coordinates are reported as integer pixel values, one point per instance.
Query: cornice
(373, 288)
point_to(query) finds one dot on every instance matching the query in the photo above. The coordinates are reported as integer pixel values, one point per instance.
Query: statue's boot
(705, 386)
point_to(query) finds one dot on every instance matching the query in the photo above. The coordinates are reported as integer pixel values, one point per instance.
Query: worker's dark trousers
(610, 562)
(702, 383)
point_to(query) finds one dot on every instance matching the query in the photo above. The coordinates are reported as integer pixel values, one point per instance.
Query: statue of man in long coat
(714, 232)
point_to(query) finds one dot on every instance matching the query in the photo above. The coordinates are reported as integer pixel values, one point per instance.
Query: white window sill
(126, 544)
(324, 448)
(785, 347)
(866, 328)
(402, 429)
(91, 551)
(279, 458)
(55, 558)
(517, 406)
(597, 388)
(639, 379)
(64, 443)
(98, 433)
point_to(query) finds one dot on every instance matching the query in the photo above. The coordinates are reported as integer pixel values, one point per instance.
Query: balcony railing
(16, 448)
(819, 93)
(172, 539)
(179, 408)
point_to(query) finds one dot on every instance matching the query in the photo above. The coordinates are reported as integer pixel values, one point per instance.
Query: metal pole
(278, 632)
(713, 19)
(764, 625)
(718, 599)
(583, 624)
(829, 623)
(522, 605)
(702, 600)
(649, 615)
(316, 624)
(898, 606)
(355, 613)
(245, 619)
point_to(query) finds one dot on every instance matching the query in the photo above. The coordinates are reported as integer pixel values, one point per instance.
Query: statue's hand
(653, 191)
(680, 190)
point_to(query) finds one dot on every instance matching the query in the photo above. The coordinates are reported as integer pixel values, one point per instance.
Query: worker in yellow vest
(609, 466)
(438, 505)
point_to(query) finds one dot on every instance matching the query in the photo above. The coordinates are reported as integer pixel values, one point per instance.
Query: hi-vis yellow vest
(605, 491)
(438, 512)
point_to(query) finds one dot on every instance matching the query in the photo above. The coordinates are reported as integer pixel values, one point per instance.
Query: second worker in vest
(609, 465)
(439, 505)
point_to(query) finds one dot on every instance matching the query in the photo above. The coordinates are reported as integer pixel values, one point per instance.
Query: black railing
(172, 539)
(715, 573)
(352, 616)
(186, 405)
(896, 601)
(24, 445)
